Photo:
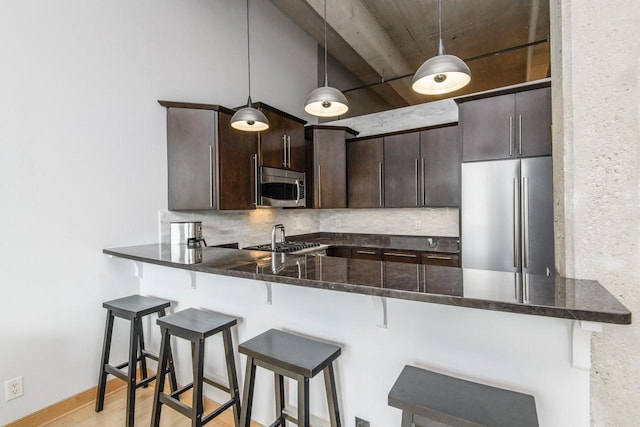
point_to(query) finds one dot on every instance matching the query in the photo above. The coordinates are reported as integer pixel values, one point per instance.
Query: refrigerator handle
(525, 222)
(516, 224)
(510, 136)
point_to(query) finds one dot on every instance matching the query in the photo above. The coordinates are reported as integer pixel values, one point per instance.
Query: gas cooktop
(286, 247)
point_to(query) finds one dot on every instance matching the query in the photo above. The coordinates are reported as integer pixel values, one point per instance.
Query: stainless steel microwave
(281, 188)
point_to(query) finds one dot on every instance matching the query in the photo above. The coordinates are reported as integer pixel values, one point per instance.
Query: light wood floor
(113, 413)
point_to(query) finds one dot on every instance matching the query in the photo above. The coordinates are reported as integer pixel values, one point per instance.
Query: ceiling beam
(355, 39)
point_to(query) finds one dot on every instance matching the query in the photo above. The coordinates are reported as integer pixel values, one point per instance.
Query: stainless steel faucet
(273, 236)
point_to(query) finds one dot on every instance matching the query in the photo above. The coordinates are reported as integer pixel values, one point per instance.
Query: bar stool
(196, 325)
(132, 308)
(429, 398)
(295, 357)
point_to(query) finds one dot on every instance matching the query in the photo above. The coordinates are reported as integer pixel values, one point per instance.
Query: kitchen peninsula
(531, 334)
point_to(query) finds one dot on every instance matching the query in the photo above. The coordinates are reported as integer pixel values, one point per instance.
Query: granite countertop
(481, 289)
(449, 245)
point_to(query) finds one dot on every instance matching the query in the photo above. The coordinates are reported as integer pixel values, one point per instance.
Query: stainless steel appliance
(507, 215)
(187, 233)
(281, 188)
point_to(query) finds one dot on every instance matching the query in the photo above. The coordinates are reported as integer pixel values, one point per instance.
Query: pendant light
(443, 73)
(249, 119)
(326, 101)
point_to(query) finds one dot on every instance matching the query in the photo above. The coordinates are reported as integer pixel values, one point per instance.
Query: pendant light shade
(326, 101)
(249, 119)
(443, 73)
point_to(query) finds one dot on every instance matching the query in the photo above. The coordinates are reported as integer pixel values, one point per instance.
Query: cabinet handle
(510, 136)
(400, 255)
(525, 222)
(289, 149)
(442, 257)
(319, 187)
(519, 133)
(210, 176)
(424, 189)
(255, 173)
(516, 225)
(417, 183)
(284, 150)
(380, 183)
(366, 252)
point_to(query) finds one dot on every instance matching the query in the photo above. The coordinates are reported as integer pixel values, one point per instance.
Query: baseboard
(65, 406)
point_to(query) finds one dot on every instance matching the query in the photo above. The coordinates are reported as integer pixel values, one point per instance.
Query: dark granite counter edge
(536, 310)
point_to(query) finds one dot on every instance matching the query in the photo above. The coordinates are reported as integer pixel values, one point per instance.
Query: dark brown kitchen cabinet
(401, 170)
(440, 157)
(327, 166)
(506, 126)
(365, 173)
(442, 259)
(282, 145)
(210, 164)
(339, 251)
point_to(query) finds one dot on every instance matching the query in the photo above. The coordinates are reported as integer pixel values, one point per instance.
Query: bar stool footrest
(218, 411)
(176, 404)
(216, 384)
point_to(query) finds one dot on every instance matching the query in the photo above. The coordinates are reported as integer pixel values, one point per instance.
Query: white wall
(596, 123)
(83, 157)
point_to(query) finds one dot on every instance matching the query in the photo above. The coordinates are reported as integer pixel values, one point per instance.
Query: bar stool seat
(295, 357)
(196, 325)
(132, 308)
(429, 398)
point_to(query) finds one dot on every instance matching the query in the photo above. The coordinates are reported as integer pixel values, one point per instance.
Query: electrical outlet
(418, 225)
(338, 223)
(13, 388)
(362, 423)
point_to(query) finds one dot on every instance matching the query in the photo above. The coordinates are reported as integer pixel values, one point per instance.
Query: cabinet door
(440, 151)
(339, 251)
(236, 166)
(191, 139)
(401, 165)
(533, 115)
(364, 173)
(273, 141)
(487, 128)
(295, 145)
(330, 164)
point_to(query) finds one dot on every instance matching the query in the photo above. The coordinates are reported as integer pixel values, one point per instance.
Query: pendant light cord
(248, 56)
(326, 74)
(440, 19)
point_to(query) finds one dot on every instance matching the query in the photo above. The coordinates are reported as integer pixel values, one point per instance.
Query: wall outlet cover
(13, 388)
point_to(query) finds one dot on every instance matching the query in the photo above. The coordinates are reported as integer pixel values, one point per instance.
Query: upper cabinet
(327, 166)
(411, 169)
(365, 174)
(440, 153)
(506, 126)
(282, 145)
(210, 164)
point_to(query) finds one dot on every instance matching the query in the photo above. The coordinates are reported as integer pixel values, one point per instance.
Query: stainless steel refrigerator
(507, 215)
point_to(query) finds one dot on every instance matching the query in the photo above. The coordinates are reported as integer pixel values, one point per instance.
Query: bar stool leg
(303, 401)
(162, 371)
(332, 397)
(279, 383)
(247, 394)
(143, 360)
(131, 381)
(407, 419)
(173, 382)
(198, 370)
(232, 375)
(106, 348)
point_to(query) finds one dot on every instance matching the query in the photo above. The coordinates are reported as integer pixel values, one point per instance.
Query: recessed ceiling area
(381, 43)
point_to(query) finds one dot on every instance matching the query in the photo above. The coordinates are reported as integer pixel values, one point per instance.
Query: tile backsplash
(254, 226)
